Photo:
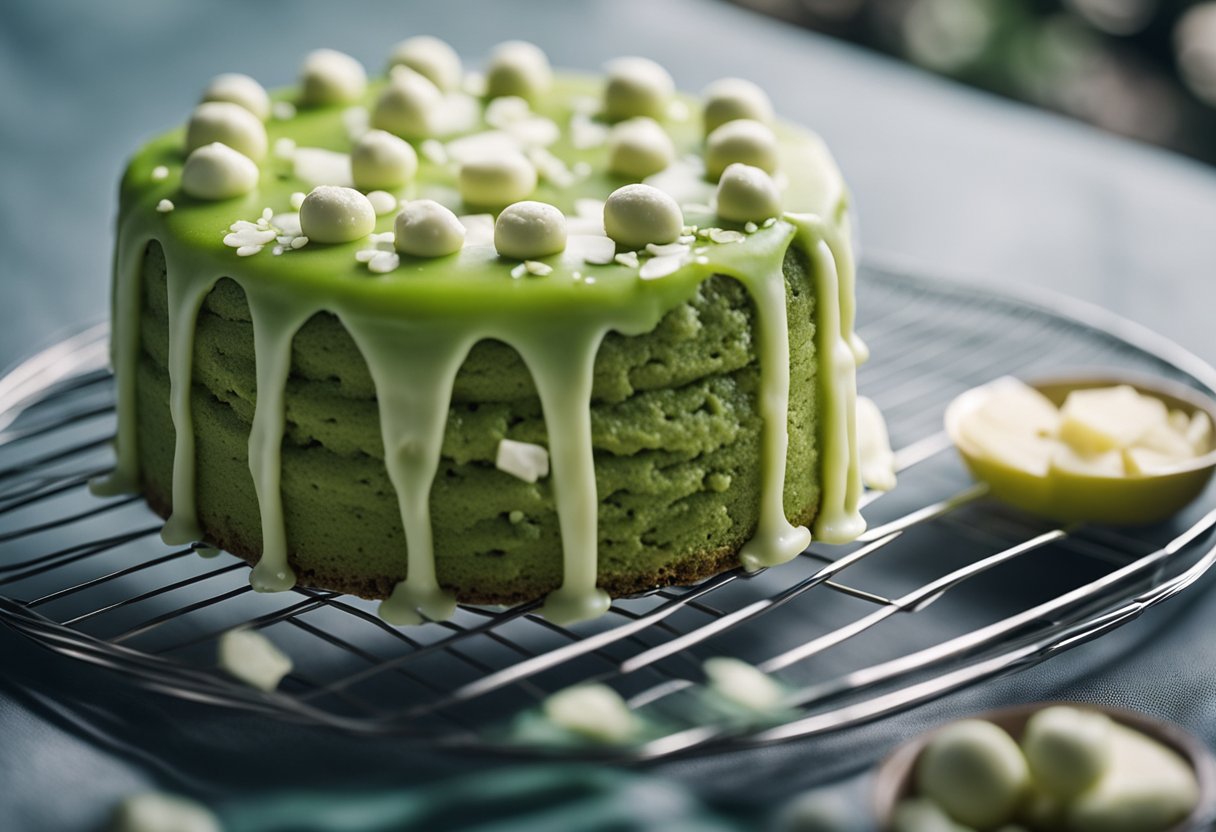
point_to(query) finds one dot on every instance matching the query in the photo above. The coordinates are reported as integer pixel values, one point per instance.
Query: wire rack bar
(89, 579)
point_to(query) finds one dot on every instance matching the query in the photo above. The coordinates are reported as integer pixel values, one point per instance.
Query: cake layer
(675, 428)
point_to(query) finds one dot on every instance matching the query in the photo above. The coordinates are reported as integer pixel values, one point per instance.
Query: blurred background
(1145, 69)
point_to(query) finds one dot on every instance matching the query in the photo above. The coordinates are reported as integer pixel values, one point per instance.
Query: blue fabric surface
(945, 178)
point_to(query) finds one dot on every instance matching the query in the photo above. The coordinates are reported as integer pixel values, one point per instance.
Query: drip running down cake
(488, 337)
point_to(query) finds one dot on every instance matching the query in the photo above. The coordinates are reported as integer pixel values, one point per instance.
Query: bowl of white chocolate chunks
(1059, 767)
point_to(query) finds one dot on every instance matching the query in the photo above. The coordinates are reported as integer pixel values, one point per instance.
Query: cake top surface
(343, 158)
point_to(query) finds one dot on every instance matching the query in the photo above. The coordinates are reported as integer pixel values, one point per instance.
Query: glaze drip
(187, 291)
(275, 324)
(776, 540)
(561, 359)
(413, 366)
(839, 519)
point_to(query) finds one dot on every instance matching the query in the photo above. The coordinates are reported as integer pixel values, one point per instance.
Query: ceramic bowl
(1074, 497)
(893, 779)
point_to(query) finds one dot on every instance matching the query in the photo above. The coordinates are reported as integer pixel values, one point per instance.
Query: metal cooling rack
(946, 588)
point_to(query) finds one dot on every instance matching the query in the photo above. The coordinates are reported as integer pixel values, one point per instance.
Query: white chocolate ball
(333, 214)
(331, 77)
(528, 230)
(637, 87)
(728, 99)
(639, 214)
(216, 171)
(639, 147)
(430, 57)
(239, 89)
(408, 105)
(424, 228)
(1067, 749)
(742, 140)
(920, 815)
(975, 771)
(380, 160)
(519, 68)
(747, 194)
(230, 124)
(820, 810)
(496, 181)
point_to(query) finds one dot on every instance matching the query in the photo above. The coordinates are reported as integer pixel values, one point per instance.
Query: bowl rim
(892, 776)
(1083, 378)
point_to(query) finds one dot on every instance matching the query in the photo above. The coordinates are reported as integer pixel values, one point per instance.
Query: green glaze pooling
(275, 323)
(416, 324)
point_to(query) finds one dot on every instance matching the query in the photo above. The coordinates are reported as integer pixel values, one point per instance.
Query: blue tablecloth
(946, 179)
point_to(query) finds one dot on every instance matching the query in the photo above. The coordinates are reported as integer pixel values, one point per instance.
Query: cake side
(675, 429)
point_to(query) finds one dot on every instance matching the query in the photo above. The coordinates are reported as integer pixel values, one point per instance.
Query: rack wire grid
(946, 589)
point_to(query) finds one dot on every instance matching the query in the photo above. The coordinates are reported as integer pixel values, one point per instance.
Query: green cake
(426, 339)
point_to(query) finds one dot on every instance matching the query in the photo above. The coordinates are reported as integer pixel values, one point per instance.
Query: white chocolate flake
(486, 144)
(254, 659)
(722, 236)
(160, 173)
(657, 267)
(667, 249)
(594, 249)
(357, 121)
(434, 151)
(383, 202)
(505, 110)
(522, 460)
(479, 228)
(287, 223)
(744, 685)
(587, 133)
(164, 206)
(590, 208)
(456, 113)
(595, 711)
(384, 262)
(318, 166)
(551, 168)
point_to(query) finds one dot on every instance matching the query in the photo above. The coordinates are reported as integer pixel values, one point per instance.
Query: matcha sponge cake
(487, 338)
